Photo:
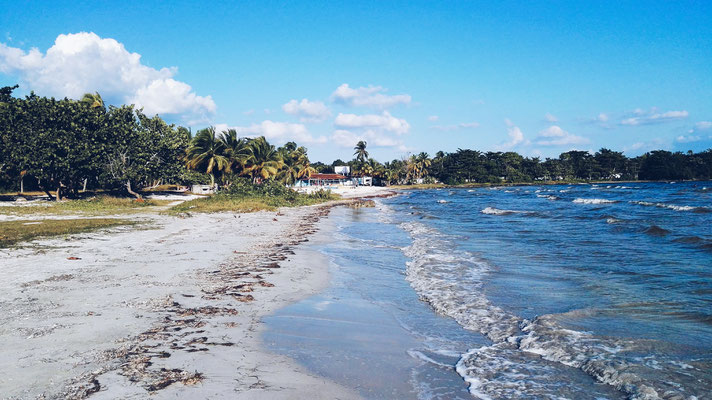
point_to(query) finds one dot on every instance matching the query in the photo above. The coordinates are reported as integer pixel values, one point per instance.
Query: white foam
(593, 201)
(548, 197)
(668, 206)
(441, 201)
(497, 211)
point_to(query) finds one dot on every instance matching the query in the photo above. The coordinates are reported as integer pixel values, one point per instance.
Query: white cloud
(308, 111)
(516, 137)
(555, 136)
(248, 112)
(371, 96)
(384, 121)
(346, 138)
(701, 126)
(602, 117)
(433, 118)
(653, 144)
(85, 63)
(653, 117)
(276, 131)
(550, 118)
(688, 139)
(462, 125)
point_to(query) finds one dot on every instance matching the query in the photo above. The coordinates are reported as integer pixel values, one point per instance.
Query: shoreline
(169, 312)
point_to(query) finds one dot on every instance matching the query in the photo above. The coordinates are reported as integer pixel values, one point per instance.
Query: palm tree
(265, 162)
(296, 163)
(207, 153)
(424, 163)
(93, 100)
(237, 150)
(361, 153)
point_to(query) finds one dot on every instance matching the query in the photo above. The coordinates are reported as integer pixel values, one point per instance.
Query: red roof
(327, 176)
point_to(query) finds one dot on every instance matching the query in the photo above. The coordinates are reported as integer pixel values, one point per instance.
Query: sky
(539, 78)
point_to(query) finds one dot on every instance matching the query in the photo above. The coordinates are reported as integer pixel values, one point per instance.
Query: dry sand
(171, 310)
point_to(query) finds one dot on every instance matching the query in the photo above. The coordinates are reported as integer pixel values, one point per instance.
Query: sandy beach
(169, 309)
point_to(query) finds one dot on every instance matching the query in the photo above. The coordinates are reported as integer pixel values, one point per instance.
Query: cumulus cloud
(370, 96)
(85, 63)
(602, 117)
(653, 117)
(276, 131)
(555, 136)
(688, 139)
(346, 138)
(701, 126)
(307, 111)
(516, 137)
(550, 118)
(449, 128)
(384, 121)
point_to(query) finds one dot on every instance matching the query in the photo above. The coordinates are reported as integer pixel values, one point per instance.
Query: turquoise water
(571, 291)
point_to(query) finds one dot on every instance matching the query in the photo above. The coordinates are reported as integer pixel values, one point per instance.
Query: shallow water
(570, 291)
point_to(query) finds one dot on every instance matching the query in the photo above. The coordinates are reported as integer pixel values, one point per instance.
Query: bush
(244, 196)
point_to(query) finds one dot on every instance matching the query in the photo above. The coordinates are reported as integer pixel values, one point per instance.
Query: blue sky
(410, 76)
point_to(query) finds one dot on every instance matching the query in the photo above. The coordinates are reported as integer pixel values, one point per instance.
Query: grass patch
(100, 205)
(246, 197)
(12, 232)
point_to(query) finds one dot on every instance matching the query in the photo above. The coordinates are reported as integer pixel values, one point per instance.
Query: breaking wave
(594, 201)
(452, 280)
(673, 206)
(497, 211)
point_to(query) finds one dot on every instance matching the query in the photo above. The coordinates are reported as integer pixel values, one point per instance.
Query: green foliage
(245, 196)
(65, 145)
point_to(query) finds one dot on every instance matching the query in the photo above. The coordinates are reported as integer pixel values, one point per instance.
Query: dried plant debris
(143, 359)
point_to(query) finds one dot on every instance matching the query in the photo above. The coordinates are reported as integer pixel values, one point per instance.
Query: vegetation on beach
(99, 205)
(66, 147)
(243, 196)
(12, 232)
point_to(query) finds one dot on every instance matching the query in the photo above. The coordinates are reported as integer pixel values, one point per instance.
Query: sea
(587, 291)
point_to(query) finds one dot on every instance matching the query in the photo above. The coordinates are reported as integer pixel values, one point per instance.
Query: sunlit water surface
(566, 291)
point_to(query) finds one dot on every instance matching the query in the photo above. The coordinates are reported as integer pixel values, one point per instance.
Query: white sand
(144, 308)
(363, 191)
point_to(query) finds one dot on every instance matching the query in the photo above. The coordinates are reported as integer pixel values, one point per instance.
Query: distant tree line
(472, 166)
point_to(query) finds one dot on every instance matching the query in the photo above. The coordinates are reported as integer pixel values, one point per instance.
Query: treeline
(472, 166)
(67, 146)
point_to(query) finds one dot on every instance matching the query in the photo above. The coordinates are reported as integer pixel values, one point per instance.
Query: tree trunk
(84, 188)
(22, 184)
(128, 188)
(58, 195)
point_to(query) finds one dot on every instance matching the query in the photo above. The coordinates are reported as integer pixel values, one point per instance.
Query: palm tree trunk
(58, 195)
(84, 188)
(22, 184)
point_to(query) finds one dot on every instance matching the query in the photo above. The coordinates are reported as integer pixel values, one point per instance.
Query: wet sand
(171, 310)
